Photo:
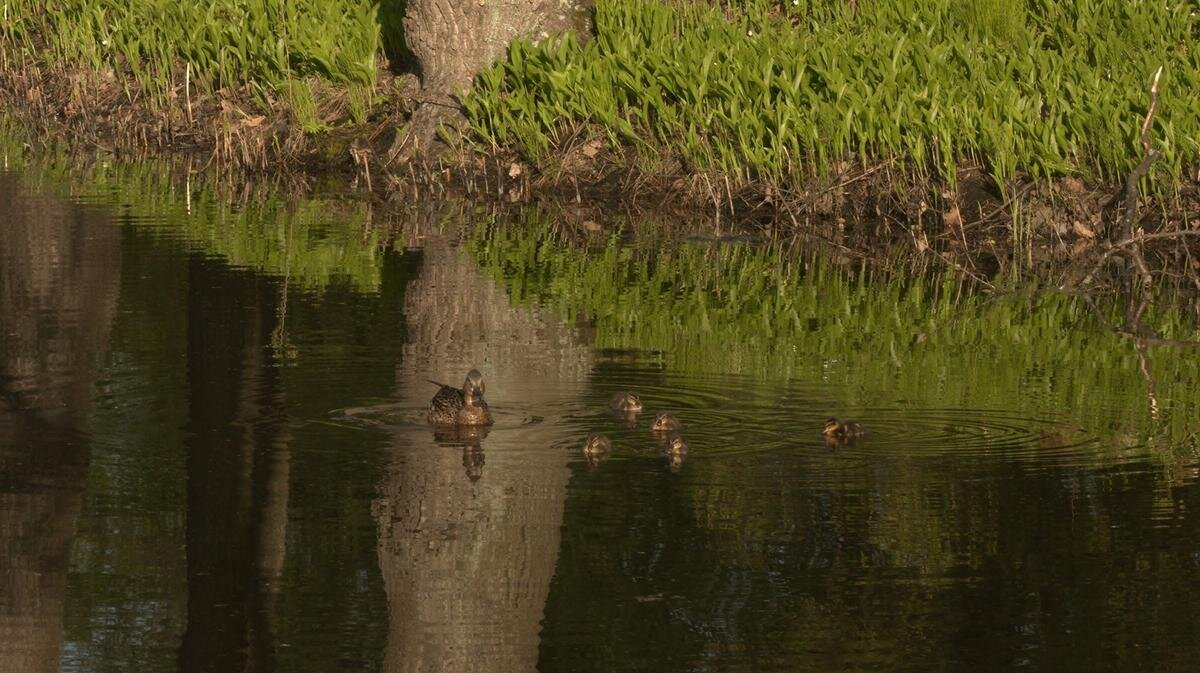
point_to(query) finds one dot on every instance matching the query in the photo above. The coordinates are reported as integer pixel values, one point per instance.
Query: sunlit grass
(767, 91)
(264, 48)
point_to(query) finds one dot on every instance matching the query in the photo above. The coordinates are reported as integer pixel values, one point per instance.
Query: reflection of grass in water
(767, 312)
(309, 240)
(745, 530)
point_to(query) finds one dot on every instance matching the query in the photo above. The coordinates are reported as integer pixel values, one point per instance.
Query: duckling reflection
(470, 439)
(596, 449)
(838, 433)
(465, 406)
(676, 451)
(665, 423)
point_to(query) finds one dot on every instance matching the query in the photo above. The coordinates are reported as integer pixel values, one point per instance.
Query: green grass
(266, 49)
(757, 90)
(774, 91)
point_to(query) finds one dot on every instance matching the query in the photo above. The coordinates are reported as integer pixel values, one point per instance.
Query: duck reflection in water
(596, 450)
(470, 439)
(676, 451)
(472, 460)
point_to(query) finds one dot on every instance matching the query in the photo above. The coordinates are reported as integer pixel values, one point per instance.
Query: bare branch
(1145, 134)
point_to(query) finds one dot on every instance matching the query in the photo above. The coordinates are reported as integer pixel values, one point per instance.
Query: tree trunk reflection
(238, 471)
(469, 522)
(59, 270)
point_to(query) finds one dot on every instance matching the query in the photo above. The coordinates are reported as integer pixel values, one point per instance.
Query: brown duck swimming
(597, 448)
(835, 429)
(625, 402)
(677, 447)
(664, 422)
(452, 406)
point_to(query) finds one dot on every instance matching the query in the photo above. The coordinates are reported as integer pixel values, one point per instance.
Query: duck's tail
(440, 385)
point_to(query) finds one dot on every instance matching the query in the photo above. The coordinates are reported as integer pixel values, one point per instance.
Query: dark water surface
(213, 455)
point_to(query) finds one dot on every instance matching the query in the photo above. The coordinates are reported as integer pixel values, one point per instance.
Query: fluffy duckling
(465, 406)
(597, 447)
(625, 402)
(835, 429)
(664, 422)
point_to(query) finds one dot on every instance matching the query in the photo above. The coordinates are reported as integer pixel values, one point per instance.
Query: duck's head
(473, 387)
(832, 427)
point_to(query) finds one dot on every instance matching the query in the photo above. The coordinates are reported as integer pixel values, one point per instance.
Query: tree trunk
(453, 40)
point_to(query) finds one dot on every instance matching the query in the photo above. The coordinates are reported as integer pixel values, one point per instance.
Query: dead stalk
(1129, 218)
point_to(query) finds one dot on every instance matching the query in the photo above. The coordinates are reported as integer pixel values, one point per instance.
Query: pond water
(213, 453)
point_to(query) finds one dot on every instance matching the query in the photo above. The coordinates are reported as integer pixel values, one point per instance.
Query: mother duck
(454, 406)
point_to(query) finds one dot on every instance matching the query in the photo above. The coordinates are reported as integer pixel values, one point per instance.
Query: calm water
(213, 454)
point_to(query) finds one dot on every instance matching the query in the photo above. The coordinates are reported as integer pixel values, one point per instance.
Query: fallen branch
(1133, 240)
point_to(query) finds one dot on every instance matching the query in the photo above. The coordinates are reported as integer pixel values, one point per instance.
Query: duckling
(597, 445)
(664, 422)
(596, 449)
(452, 406)
(625, 402)
(836, 429)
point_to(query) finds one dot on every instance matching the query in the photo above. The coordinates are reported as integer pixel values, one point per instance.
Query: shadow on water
(214, 454)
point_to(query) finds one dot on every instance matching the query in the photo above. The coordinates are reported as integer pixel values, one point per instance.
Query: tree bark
(453, 40)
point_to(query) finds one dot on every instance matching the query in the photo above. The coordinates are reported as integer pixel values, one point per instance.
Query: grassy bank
(264, 48)
(772, 96)
(764, 90)
(246, 79)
